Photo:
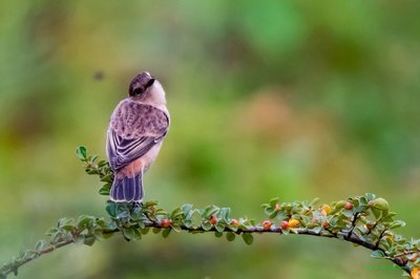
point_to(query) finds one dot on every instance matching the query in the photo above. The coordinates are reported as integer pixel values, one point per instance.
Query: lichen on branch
(364, 220)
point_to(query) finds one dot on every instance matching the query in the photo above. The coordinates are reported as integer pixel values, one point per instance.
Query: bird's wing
(134, 129)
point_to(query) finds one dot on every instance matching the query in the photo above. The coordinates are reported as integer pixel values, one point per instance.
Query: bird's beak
(150, 82)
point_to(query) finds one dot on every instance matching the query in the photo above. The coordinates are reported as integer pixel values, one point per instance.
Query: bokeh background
(296, 99)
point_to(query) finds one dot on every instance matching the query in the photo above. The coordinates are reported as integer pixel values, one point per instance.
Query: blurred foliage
(288, 98)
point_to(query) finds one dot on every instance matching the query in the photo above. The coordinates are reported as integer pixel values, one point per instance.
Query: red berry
(165, 223)
(348, 206)
(213, 220)
(267, 225)
(284, 225)
(234, 222)
(325, 225)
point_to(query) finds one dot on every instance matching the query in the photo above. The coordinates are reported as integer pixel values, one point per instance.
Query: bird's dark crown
(140, 83)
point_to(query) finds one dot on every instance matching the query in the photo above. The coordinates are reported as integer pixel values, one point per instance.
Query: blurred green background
(296, 99)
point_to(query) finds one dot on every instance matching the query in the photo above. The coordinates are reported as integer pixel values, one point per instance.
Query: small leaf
(89, 240)
(132, 233)
(378, 254)
(176, 213)
(274, 201)
(397, 224)
(105, 189)
(314, 202)
(230, 236)
(210, 210)
(269, 211)
(186, 208)
(248, 238)
(370, 196)
(224, 213)
(84, 221)
(206, 225)
(220, 227)
(218, 234)
(40, 244)
(81, 152)
(150, 203)
(111, 209)
(166, 232)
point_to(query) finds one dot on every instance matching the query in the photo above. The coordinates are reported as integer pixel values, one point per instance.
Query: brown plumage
(137, 128)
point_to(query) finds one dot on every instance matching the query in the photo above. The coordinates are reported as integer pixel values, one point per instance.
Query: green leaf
(145, 230)
(218, 234)
(224, 213)
(269, 211)
(84, 221)
(210, 210)
(196, 218)
(132, 233)
(176, 213)
(248, 238)
(380, 203)
(206, 225)
(376, 212)
(66, 224)
(41, 244)
(274, 201)
(89, 240)
(370, 196)
(176, 228)
(81, 153)
(273, 215)
(230, 236)
(186, 208)
(104, 190)
(378, 254)
(397, 224)
(314, 202)
(166, 232)
(150, 203)
(111, 209)
(220, 227)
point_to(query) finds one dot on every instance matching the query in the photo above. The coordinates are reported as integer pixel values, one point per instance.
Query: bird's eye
(136, 90)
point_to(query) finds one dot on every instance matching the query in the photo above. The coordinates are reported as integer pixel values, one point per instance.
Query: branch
(350, 220)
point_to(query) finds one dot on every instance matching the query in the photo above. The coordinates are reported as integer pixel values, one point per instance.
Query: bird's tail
(127, 188)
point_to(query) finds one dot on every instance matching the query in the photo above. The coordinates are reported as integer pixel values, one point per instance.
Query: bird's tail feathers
(127, 189)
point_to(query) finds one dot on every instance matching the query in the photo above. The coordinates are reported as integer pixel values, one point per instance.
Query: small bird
(135, 134)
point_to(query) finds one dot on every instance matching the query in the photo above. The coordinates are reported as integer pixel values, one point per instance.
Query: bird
(137, 128)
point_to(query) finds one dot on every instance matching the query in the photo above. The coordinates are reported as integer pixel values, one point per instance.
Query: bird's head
(140, 84)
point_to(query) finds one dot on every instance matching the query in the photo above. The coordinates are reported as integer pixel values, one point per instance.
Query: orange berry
(267, 225)
(284, 225)
(234, 222)
(165, 223)
(293, 223)
(213, 220)
(325, 209)
(415, 273)
(348, 206)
